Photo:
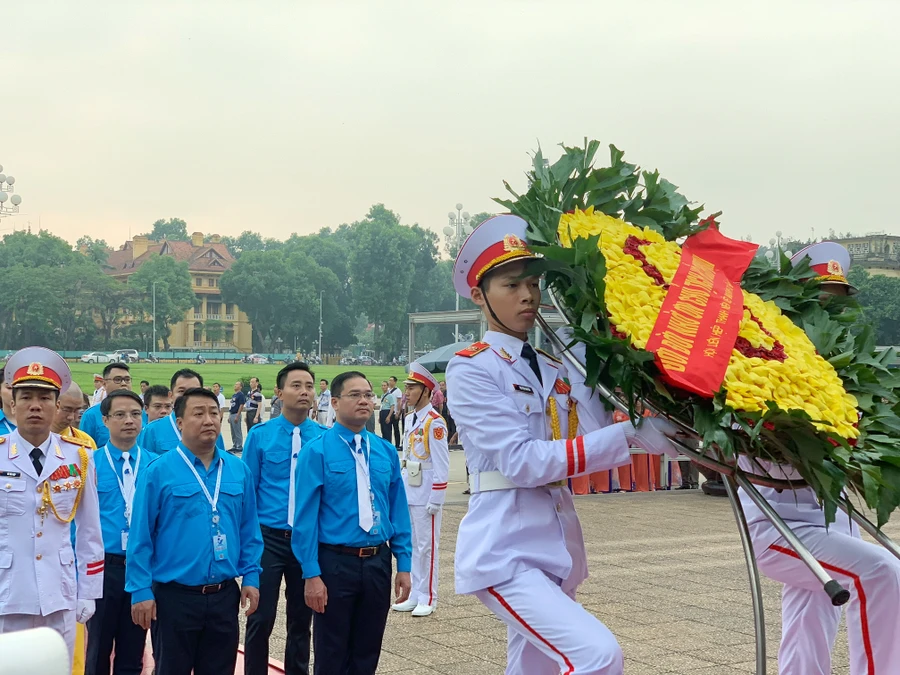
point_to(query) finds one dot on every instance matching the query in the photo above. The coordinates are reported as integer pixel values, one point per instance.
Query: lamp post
(456, 232)
(321, 297)
(154, 315)
(6, 190)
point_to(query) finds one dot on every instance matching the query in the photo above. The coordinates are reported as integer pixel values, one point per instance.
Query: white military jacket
(435, 459)
(37, 563)
(501, 413)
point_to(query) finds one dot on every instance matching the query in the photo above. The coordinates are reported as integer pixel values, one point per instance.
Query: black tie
(37, 458)
(413, 425)
(530, 355)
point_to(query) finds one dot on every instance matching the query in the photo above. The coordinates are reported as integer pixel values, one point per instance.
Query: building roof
(213, 257)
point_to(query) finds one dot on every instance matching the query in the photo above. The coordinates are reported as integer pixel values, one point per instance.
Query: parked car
(257, 359)
(96, 357)
(127, 355)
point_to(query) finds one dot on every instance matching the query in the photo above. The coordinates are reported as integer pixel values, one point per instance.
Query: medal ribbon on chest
(64, 473)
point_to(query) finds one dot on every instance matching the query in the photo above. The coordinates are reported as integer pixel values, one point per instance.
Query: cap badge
(36, 369)
(512, 243)
(834, 267)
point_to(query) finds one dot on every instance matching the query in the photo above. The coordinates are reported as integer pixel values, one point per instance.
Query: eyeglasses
(121, 415)
(161, 406)
(120, 379)
(357, 395)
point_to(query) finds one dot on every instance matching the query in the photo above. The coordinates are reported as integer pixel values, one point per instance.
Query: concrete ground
(667, 577)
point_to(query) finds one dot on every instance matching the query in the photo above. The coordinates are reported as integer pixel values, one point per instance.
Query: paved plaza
(667, 577)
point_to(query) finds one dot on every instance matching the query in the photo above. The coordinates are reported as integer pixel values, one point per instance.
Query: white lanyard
(213, 500)
(128, 495)
(363, 462)
(175, 429)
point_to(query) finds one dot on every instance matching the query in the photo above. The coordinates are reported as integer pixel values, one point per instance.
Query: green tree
(215, 330)
(174, 293)
(880, 298)
(96, 250)
(173, 229)
(249, 241)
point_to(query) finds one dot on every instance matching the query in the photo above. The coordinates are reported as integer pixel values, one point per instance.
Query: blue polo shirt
(112, 503)
(171, 536)
(92, 425)
(162, 435)
(326, 509)
(267, 453)
(6, 425)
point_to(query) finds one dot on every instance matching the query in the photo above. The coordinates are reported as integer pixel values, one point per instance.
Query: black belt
(113, 559)
(364, 552)
(278, 533)
(206, 589)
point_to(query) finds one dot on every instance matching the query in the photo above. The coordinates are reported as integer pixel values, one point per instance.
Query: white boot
(407, 606)
(423, 610)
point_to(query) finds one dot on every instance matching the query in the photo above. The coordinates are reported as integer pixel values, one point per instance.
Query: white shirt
(222, 403)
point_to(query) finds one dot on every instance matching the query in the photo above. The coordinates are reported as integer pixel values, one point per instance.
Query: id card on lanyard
(127, 492)
(220, 543)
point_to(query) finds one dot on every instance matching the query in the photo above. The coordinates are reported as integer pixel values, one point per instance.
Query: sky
(283, 117)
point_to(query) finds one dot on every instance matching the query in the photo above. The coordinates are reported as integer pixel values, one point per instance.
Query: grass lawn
(226, 374)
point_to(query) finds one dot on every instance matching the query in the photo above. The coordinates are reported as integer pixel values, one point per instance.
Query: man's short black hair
(393, 378)
(159, 390)
(145, 382)
(112, 365)
(337, 385)
(322, 380)
(216, 384)
(186, 373)
(181, 401)
(3, 374)
(106, 403)
(296, 365)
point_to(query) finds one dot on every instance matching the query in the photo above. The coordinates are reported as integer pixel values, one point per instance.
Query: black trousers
(111, 626)
(278, 562)
(395, 428)
(348, 634)
(249, 417)
(386, 431)
(196, 633)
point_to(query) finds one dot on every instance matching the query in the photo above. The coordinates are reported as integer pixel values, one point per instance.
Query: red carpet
(275, 667)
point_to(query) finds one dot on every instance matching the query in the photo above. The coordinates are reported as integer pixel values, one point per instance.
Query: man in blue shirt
(120, 465)
(7, 419)
(194, 530)
(115, 377)
(163, 434)
(350, 515)
(234, 417)
(271, 452)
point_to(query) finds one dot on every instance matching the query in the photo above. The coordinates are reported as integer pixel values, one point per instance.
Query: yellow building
(878, 253)
(212, 324)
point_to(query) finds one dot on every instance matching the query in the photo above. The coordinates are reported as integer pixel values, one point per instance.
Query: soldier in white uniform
(809, 621)
(426, 467)
(45, 484)
(520, 548)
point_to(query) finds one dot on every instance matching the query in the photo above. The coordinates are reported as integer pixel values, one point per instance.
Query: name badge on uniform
(124, 540)
(524, 389)
(220, 546)
(10, 474)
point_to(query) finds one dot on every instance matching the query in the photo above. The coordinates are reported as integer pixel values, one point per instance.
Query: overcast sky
(284, 117)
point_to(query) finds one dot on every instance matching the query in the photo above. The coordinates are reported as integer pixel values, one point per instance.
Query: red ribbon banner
(698, 324)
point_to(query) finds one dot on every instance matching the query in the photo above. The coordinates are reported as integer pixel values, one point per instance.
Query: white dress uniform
(426, 467)
(520, 548)
(41, 577)
(871, 574)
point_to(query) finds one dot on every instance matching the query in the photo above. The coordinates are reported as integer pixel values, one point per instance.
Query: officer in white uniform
(426, 467)
(45, 484)
(520, 548)
(809, 621)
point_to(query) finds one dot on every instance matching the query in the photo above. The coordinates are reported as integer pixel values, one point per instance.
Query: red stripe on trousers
(579, 443)
(570, 457)
(863, 617)
(431, 571)
(571, 668)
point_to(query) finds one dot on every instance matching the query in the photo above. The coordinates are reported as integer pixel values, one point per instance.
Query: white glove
(433, 509)
(84, 610)
(653, 436)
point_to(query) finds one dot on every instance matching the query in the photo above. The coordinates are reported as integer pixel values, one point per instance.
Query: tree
(880, 299)
(174, 293)
(249, 241)
(96, 250)
(173, 229)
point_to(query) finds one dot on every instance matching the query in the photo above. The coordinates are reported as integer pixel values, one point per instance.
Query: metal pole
(759, 621)
(154, 316)
(321, 295)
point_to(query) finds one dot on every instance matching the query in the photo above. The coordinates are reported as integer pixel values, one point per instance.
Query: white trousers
(426, 535)
(63, 622)
(810, 622)
(548, 631)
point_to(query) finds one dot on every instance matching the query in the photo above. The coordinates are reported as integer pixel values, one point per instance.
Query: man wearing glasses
(350, 517)
(116, 376)
(157, 402)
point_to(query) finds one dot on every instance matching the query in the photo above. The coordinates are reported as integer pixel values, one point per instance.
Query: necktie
(363, 497)
(530, 355)
(295, 452)
(37, 458)
(127, 482)
(413, 425)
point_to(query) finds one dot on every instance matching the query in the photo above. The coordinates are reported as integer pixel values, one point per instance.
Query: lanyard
(177, 433)
(213, 500)
(127, 495)
(363, 462)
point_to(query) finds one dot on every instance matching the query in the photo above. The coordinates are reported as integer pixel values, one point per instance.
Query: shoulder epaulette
(436, 415)
(473, 349)
(75, 440)
(549, 356)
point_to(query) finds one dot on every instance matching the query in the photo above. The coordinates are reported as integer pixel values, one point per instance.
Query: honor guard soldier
(520, 548)
(46, 483)
(271, 452)
(809, 621)
(163, 435)
(426, 465)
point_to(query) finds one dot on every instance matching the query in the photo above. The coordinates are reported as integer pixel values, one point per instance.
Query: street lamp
(456, 233)
(154, 315)
(6, 190)
(321, 296)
